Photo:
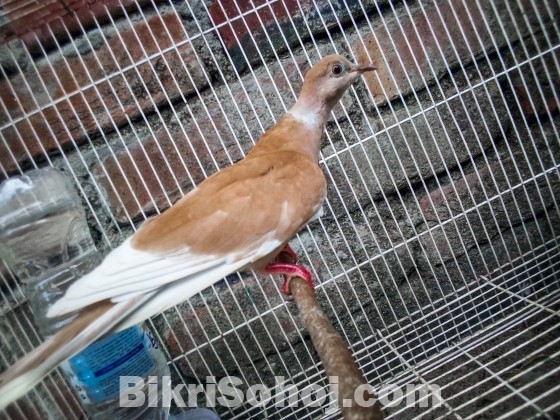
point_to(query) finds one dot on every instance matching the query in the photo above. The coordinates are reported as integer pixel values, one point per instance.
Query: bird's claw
(289, 271)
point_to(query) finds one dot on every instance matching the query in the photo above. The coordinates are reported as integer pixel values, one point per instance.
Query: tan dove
(239, 218)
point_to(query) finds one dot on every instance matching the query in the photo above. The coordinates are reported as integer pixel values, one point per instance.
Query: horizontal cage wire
(437, 258)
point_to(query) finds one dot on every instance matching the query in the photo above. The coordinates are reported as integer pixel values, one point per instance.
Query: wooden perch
(335, 356)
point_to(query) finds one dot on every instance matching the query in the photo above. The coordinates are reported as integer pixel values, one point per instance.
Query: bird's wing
(234, 218)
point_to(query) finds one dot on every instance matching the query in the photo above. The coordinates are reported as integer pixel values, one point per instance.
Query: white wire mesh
(437, 258)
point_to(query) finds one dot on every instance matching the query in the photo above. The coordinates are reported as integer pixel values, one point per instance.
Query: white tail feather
(89, 326)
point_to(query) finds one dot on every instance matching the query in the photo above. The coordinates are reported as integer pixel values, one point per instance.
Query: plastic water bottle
(45, 240)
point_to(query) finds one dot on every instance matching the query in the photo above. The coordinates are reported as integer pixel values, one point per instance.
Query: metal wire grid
(462, 334)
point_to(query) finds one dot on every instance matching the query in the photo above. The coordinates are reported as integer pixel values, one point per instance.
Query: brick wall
(442, 165)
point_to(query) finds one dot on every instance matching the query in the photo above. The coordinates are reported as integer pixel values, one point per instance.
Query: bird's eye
(337, 69)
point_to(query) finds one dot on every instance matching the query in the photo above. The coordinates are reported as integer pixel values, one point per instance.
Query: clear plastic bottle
(45, 240)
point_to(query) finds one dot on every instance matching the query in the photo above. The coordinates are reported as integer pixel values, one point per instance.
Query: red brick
(144, 169)
(455, 192)
(461, 31)
(487, 202)
(223, 11)
(420, 53)
(449, 240)
(183, 339)
(103, 99)
(535, 102)
(196, 328)
(40, 23)
(252, 30)
(148, 157)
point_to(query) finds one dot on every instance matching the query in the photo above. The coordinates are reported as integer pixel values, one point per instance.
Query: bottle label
(95, 371)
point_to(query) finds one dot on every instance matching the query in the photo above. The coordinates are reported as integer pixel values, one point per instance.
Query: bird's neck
(311, 111)
(300, 130)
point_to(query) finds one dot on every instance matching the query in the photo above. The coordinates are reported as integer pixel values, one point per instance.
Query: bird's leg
(285, 264)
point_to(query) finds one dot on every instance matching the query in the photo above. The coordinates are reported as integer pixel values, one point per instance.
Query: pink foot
(289, 271)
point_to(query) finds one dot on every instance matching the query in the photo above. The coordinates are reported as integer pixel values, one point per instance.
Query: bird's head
(328, 79)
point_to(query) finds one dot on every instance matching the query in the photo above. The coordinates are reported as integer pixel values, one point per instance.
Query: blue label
(98, 367)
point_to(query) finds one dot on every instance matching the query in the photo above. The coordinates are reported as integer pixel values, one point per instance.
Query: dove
(239, 218)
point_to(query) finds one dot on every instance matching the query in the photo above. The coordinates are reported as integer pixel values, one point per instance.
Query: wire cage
(437, 257)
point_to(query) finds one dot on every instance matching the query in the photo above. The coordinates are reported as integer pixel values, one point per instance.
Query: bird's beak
(361, 68)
